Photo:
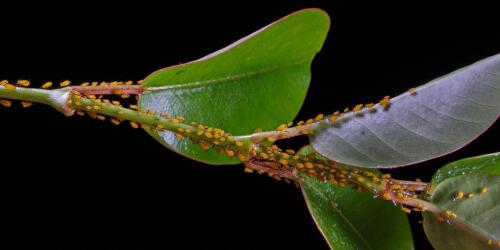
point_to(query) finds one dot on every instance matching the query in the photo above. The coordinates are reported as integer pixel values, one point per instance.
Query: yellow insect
(405, 209)
(412, 91)
(115, 121)
(26, 104)
(5, 103)
(357, 108)
(65, 83)
(484, 190)
(271, 139)
(24, 83)
(47, 85)
(318, 117)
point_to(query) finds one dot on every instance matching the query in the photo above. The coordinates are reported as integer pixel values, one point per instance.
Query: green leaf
(259, 81)
(478, 218)
(353, 220)
(487, 164)
(441, 117)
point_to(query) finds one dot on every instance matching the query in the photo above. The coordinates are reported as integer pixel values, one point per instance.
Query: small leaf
(259, 81)
(477, 225)
(487, 164)
(355, 220)
(438, 118)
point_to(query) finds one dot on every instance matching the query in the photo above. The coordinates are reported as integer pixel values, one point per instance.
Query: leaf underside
(441, 117)
(259, 81)
(355, 220)
(480, 214)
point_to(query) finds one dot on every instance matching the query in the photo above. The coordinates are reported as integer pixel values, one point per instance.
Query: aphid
(5, 103)
(229, 152)
(85, 84)
(406, 210)
(490, 242)
(450, 214)
(65, 83)
(369, 105)
(241, 157)
(289, 151)
(24, 83)
(299, 165)
(271, 139)
(117, 103)
(125, 96)
(283, 162)
(346, 110)
(9, 86)
(440, 217)
(308, 121)
(115, 121)
(248, 170)
(26, 104)
(387, 196)
(318, 117)
(179, 136)
(101, 117)
(47, 85)
(459, 195)
(264, 155)
(357, 108)
(308, 164)
(484, 190)
(470, 195)
(332, 119)
(412, 91)
(128, 83)
(385, 102)
(180, 118)
(300, 123)
(133, 106)
(80, 113)
(282, 127)
(239, 144)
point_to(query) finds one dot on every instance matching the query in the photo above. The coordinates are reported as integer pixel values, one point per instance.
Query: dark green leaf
(478, 218)
(353, 220)
(487, 164)
(442, 116)
(259, 81)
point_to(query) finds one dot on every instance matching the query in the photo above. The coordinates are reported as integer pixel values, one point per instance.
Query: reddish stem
(256, 165)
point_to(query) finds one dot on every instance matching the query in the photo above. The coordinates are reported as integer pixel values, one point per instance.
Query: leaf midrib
(229, 78)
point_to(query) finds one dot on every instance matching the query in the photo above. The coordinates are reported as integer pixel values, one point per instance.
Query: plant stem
(153, 121)
(56, 98)
(110, 90)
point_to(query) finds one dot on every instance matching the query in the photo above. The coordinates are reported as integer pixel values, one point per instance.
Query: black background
(79, 183)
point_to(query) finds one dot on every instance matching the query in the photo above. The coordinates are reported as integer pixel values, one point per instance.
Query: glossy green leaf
(259, 81)
(487, 164)
(478, 218)
(354, 220)
(441, 117)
